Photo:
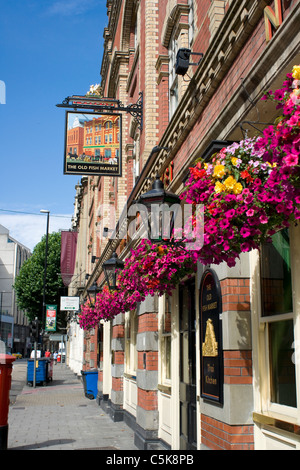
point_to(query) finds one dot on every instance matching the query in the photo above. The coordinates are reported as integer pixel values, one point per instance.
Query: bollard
(5, 384)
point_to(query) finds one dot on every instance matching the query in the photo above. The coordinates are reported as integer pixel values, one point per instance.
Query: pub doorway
(187, 367)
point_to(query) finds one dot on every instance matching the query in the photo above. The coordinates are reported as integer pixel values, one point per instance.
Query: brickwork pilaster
(117, 367)
(147, 373)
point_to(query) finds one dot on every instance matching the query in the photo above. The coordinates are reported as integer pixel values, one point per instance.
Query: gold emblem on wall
(210, 345)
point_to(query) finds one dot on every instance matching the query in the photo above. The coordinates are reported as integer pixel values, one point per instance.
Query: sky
(49, 49)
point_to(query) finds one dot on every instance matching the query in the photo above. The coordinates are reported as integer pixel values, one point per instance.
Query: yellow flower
(296, 72)
(273, 165)
(234, 161)
(219, 187)
(238, 188)
(205, 166)
(230, 183)
(219, 171)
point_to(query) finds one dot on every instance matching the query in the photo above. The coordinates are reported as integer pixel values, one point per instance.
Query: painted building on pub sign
(214, 365)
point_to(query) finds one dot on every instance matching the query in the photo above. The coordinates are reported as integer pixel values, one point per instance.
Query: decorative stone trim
(162, 67)
(173, 21)
(216, 14)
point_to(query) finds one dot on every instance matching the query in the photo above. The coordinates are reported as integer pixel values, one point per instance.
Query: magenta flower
(245, 232)
(291, 159)
(263, 219)
(245, 247)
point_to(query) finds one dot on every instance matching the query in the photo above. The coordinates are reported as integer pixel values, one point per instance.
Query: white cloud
(29, 229)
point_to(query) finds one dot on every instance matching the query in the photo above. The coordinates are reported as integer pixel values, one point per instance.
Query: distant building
(102, 138)
(14, 329)
(75, 136)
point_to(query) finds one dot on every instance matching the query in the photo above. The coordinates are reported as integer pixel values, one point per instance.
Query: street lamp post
(45, 270)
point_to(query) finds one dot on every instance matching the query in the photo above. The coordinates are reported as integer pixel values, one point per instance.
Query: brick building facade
(149, 360)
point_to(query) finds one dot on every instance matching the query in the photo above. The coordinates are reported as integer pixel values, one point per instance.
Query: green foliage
(29, 284)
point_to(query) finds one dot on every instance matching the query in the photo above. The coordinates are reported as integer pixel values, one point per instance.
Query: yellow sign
(210, 345)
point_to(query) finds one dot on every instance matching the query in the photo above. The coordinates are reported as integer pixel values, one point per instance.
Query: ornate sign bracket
(105, 105)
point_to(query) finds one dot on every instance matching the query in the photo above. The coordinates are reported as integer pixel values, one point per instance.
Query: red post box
(5, 384)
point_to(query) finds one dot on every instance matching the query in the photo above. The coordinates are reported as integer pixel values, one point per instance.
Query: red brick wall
(150, 358)
(118, 331)
(235, 294)
(147, 399)
(147, 322)
(117, 384)
(148, 362)
(238, 367)
(220, 436)
(90, 349)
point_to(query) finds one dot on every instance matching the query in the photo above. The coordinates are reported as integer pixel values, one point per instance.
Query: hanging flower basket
(149, 270)
(251, 189)
(156, 269)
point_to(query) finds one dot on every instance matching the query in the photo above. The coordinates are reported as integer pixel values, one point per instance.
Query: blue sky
(49, 49)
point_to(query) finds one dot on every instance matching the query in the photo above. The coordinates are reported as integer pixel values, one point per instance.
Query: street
(58, 416)
(18, 378)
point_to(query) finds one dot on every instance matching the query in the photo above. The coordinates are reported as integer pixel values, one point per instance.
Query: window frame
(263, 392)
(131, 354)
(173, 78)
(164, 338)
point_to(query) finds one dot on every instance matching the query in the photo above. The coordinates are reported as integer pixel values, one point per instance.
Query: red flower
(197, 172)
(246, 176)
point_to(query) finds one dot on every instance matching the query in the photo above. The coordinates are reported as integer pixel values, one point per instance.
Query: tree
(29, 284)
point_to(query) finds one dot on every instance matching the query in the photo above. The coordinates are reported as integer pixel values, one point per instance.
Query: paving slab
(58, 416)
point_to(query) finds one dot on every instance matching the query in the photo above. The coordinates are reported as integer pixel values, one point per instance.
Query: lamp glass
(111, 268)
(162, 207)
(92, 292)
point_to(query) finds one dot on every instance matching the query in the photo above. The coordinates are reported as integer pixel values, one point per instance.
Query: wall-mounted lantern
(183, 60)
(92, 292)
(111, 268)
(162, 207)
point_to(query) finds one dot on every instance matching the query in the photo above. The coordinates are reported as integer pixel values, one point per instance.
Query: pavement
(58, 416)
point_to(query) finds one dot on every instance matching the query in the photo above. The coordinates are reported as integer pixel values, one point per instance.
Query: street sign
(69, 303)
(51, 314)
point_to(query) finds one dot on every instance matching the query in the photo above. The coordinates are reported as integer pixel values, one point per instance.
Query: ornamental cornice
(173, 21)
(133, 67)
(118, 58)
(129, 12)
(162, 67)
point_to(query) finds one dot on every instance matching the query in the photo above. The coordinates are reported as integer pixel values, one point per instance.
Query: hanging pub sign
(211, 350)
(51, 315)
(93, 144)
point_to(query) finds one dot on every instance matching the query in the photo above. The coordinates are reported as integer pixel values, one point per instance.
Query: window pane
(283, 388)
(167, 316)
(276, 282)
(168, 357)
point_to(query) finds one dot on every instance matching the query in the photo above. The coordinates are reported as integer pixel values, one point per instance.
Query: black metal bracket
(105, 105)
(136, 110)
(252, 123)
